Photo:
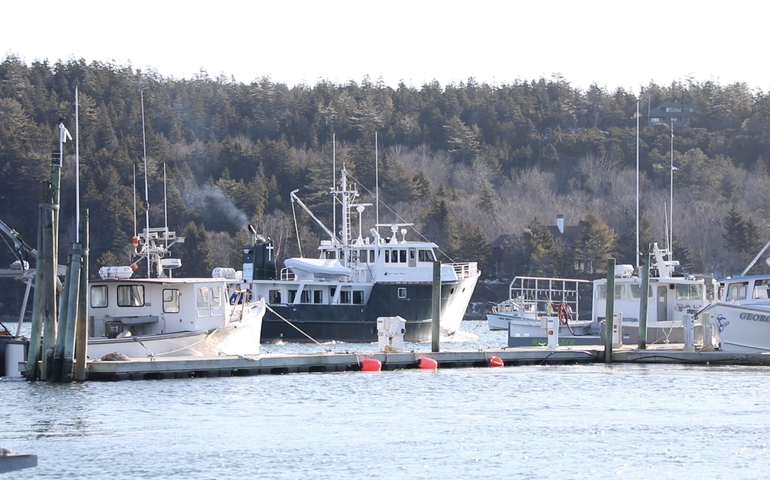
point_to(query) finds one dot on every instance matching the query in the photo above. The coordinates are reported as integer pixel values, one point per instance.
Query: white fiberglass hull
(742, 328)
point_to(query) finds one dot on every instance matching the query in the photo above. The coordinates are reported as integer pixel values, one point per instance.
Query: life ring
(564, 312)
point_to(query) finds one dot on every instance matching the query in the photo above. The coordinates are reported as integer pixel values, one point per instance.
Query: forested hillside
(466, 162)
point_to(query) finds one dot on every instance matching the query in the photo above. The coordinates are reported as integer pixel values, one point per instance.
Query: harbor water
(531, 422)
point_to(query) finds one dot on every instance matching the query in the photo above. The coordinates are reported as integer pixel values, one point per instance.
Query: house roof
(570, 235)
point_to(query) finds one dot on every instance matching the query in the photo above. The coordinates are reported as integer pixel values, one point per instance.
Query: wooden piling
(610, 312)
(81, 325)
(38, 305)
(436, 323)
(643, 301)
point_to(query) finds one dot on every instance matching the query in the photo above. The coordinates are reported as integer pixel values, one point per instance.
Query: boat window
(171, 301)
(318, 296)
(202, 297)
(761, 289)
(636, 292)
(737, 291)
(331, 254)
(688, 292)
(99, 296)
(345, 296)
(274, 296)
(292, 295)
(354, 256)
(402, 292)
(387, 256)
(216, 296)
(358, 297)
(601, 292)
(371, 256)
(305, 297)
(403, 256)
(130, 295)
(425, 256)
(620, 292)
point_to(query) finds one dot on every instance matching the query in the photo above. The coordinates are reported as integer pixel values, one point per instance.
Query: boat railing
(465, 269)
(553, 291)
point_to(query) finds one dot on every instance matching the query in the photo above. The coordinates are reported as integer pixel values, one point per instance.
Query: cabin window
(688, 292)
(216, 296)
(425, 256)
(636, 292)
(345, 296)
(274, 296)
(358, 297)
(387, 256)
(371, 256)
(402, 255)
(171, 301)
(331, 255)
(601, 292)
(99, 296)
(737, 291)
(761, 289)
(305, 297)
(318, 296)
(130, 295)
(202, 298)
(620, 292)
(402, 292)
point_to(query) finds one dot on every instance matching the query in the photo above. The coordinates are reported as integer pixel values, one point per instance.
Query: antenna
(165, 207)
(134, 199)
(376, 182)
(671, 206)
(77, 173)
(334, 182)
(146, 194)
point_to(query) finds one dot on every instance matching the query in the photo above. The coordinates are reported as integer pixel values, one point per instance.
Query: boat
(10, 462)
(670, 296)
(741, 313)
(532, 300)
(166, 316)
(354, 280)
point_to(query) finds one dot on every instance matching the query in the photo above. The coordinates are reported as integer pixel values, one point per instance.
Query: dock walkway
(272, 364)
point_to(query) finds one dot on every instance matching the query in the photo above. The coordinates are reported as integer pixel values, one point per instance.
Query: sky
(613, 44)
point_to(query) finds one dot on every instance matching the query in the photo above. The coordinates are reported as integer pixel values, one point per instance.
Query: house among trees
(670, 113)
(566, 236)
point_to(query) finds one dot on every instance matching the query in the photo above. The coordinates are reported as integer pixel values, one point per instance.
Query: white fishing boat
(669, 298)
(354, 280)
(741, 314)
(164, 316)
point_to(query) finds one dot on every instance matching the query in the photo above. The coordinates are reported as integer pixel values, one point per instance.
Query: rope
(298, 329)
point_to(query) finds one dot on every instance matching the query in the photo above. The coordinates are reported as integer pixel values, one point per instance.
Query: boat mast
(376, 181)
(637, 186)
(146, 192)
(671, 206)
(334, 182)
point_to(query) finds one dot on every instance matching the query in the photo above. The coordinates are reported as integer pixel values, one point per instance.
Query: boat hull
(358, 323)
(742, 328)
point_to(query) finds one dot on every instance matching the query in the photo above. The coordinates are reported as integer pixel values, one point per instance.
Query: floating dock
(276, 364)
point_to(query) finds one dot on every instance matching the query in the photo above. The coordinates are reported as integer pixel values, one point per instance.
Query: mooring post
(38, 301)
(57, 364)
(73, 294)
(81, 325)
(610, 313)
(48, 289)
(644, 298)
(436, 316)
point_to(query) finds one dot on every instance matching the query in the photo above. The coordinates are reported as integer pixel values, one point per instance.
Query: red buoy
(495, 362)
(427, 363)
(371, 365)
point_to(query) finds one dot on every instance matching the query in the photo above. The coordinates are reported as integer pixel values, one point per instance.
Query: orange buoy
(495, 362)
(427, 363)
(371, 365)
